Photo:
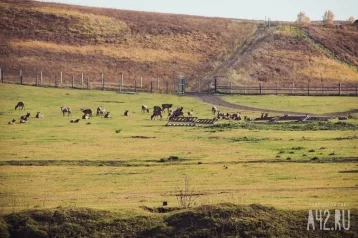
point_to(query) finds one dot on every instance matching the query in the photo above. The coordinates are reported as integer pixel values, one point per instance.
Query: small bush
(119, 130)
(315, 158)
(304, 155)
(291, 152)
(288, 158)
(298, 148)
(311, 150)
(322, 148)
(332, 153)
(281, 152)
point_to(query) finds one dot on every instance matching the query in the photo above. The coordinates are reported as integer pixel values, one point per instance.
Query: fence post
(158, 83)
(21, 77)
(215, 84)
(102, 81)
(293, 88)
(61, 78)
(122, 80)
(167, 87)
(339, 88)
(82, 78)
(151, 86)
(40, 76)
(260, 87)
(141, 82)
(73, 81)
(2, 80)
(245, 88)
(277, 84)
(88, 83)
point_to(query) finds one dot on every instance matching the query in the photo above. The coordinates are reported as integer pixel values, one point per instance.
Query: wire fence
(171, 86)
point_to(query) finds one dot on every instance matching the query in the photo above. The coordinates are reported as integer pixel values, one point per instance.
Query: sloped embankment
(224, 220)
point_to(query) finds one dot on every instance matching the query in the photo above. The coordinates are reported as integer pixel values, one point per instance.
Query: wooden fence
(80, 81)
(338, 89)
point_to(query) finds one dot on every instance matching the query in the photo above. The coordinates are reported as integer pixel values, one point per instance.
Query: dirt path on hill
(217, 101)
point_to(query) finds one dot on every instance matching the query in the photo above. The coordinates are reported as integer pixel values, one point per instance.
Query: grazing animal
(85, 116)
(190, 113)
(126, 113)
(66, 110)
(145, 109)
(214, 110)
(87, 111)
(100, 111)
(107, 115)
(156, 114)
(157, 108)
(12, 122)
(166, 106)
(39, 115)
(177, 113)
(22, 121)
(25, 117)
(220, 115)
(20, 105)
(74, 120)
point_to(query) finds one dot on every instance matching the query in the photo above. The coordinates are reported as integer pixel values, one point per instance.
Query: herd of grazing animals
(157, 113)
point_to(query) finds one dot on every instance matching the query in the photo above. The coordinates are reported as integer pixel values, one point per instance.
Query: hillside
(73, 39)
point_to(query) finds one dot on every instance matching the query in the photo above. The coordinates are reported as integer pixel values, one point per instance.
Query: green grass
(50, 162)
(313, 104)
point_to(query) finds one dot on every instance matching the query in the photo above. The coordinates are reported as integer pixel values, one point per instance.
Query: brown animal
(20, 105)
(190, 113)
(126, 113)
(157, 108)
(214, 110)
(12, 122)
(66, 110)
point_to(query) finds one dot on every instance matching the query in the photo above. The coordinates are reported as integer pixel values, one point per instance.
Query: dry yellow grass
(137, 54)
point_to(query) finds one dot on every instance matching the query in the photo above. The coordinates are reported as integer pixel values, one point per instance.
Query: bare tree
(351, 20)
(187, 195)
(328, 17)
(303, 20)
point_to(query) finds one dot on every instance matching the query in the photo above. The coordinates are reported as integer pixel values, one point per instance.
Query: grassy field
(50, 162)
(316, 105)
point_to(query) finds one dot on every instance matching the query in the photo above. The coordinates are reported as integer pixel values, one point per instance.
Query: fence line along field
(127, 162)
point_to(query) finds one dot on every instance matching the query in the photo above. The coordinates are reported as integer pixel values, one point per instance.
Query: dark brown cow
(166, 106)
(156, 114)
(20, 105)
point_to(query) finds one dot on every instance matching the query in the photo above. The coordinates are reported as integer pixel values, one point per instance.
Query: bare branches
(187, 195)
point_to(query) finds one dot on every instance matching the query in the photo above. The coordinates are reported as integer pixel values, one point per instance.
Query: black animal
(66, 110)
(87, 111)
(177, 113)
(166, 106)
(39, 115)
(100, 111)
(126, 113)
(107, 115)
(156, 114)
(74, 120)
(12, 122)
(20, 105)
(25, 117)
(157, 108)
